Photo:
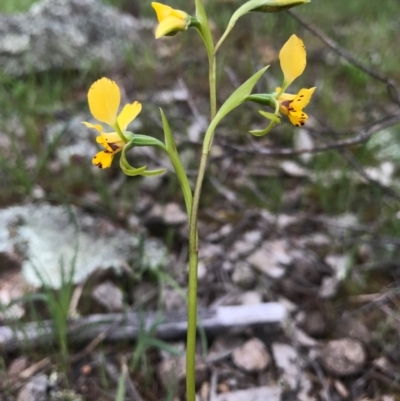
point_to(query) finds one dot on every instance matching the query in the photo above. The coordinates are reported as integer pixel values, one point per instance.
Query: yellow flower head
(104, 98)
(292, 105)
(170, 20)
(293, 60)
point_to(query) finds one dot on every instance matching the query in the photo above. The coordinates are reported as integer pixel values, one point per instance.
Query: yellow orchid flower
(104, 98)
(170, 20)
(292, 105)
(293, 60)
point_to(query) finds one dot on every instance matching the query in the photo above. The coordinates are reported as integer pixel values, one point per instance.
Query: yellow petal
(128, 114)
(102, 141)
(298, 118)
(169, 25)
(293, 59)
(103, 159)
(112, 137)
(104, 98)
(284, 96)
(164, 11)
(302, 99)
(97, 127)
(161, 10)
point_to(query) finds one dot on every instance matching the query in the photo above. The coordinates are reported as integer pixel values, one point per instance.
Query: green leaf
(169, 139)
(231, 103)
(176, 162)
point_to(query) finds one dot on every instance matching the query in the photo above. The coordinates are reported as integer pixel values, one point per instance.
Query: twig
(365, 133)
(334, 46)
(125, 327)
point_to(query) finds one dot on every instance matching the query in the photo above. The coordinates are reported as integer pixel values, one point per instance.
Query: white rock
(343, 357)
(243, 275)
(251, 298)
(292, 373)
(252, 356)
(109, 296)
(271, 259)
(174, 214)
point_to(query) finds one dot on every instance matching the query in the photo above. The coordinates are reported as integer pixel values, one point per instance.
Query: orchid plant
(104, 102)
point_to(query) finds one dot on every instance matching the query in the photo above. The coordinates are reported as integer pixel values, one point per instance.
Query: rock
(222, 347)
(35, 390)
(271, 259)
(315, 323)
(243, 275)
(250, 298)
(329, 287)
(174, 368)
(339, 264)
(352, 327)
(291, 371)
(252, 356)
(51, 239)
(272, 393)
(343, 357)
(174, 214)
(13, 287)
(109, 296)
(65, 34)
(17, 366)
(173, 300)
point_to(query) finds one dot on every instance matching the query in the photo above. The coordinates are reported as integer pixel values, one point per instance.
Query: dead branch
(126, 326)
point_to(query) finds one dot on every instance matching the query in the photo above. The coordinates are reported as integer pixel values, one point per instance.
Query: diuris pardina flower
(104, 98)
(292, 58)
(170, 20)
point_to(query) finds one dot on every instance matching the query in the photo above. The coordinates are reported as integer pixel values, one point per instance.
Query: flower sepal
(265, 99)
(131, 171)
(274, 119)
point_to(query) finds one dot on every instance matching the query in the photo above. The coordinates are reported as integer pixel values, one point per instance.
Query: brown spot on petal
(113, 146)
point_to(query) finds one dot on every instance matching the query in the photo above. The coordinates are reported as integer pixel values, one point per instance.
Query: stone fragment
(271, 259)
(250, 298)
(252, 356)
(243, 275)
(36, 389)
(222, 347)
(343, 357)
(173, 369)
(291, 368)
(174, 214)
(109, 296)
(17, 366)
(173, 300)
(272, 393)
(352, 327)
(315, 323)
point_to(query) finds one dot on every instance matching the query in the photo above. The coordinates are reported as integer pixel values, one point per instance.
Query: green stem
(194, 251)
(213, 86)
